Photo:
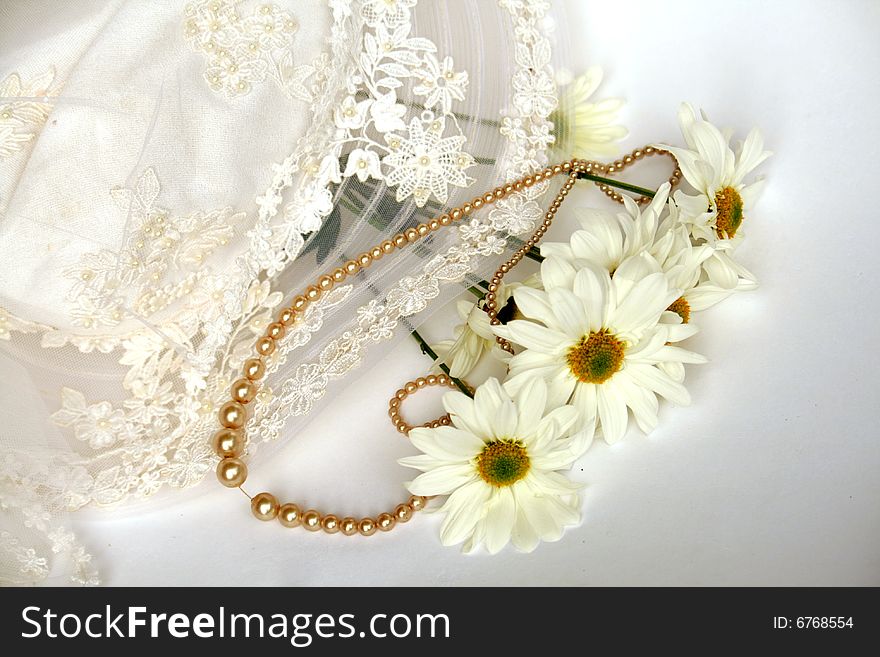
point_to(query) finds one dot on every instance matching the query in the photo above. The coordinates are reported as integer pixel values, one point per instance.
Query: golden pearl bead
(232, 472)
(417, 502)
(264, 506)
(287, 317)
(348, 526)
(444, 219)
(275, 330)
(254, 368)
(232, 415)
(330, 524)
(299, 303)
(399, 240)
(244, 391)
(364, 259)
(265, 346)
(289, 515)
(403, 512)
(311, 520)
(228, 443)
(385, 522)
(338, 275)
(412, 234)
(367, 527)
(351, 267)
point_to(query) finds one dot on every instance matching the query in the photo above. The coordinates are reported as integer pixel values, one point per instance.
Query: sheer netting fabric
(171, 172)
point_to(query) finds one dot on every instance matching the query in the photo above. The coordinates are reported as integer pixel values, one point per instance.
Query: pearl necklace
(229, 442)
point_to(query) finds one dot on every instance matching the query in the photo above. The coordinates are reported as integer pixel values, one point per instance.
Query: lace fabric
(188, 167)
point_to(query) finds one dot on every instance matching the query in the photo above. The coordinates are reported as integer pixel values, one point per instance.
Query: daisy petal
(442, 480)
(532, 303)
(569, 312)
(613, 417)
(533, 336)
(499, 519)
(556, 272)
(531, 400)
(446, 443)
(464, 416)
(593, 286)
(464, 508)
(654, 379)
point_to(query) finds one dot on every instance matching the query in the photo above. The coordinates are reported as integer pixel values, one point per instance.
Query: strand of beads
(265, 506)
(229, 442)
(491, 305)
(409, 388)
(628, 160)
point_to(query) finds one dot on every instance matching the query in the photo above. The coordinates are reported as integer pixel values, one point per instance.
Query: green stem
(618, 183)
(534, 254)
(426, 349)
(477, 292)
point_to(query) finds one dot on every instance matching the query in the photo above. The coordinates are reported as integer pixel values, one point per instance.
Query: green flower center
(596, 358)
(503, 462)
(682, 308)
(729, 212)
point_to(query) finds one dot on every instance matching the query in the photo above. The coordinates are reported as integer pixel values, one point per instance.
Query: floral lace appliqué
(24, 107)
(243, 51)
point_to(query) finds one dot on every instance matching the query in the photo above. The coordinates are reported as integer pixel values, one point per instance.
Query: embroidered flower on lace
(307, 385)
(440, 83)
(21, 120)
(162, 259)
(243, 51)
(424, 163)
(515, 214)
(390, 12)
(364, 164)
(474, 230)
(411, 294)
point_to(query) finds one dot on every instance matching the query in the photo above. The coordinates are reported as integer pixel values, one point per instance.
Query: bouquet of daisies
(598, 334)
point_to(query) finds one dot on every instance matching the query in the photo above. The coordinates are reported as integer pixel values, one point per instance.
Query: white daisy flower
(599, 342)
(607, 238)
(587, 129)
(498, 464)
(474, 338)
(716, 212)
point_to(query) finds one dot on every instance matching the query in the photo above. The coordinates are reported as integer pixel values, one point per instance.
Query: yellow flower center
(597, 357)
(682, 308)
(503, 462)
(729, 212)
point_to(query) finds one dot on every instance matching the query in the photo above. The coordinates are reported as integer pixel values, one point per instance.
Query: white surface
(771, 477)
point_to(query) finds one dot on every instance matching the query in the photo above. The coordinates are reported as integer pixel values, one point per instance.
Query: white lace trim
(482, 236)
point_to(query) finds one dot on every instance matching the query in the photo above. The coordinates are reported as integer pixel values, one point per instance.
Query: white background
(772, 476)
